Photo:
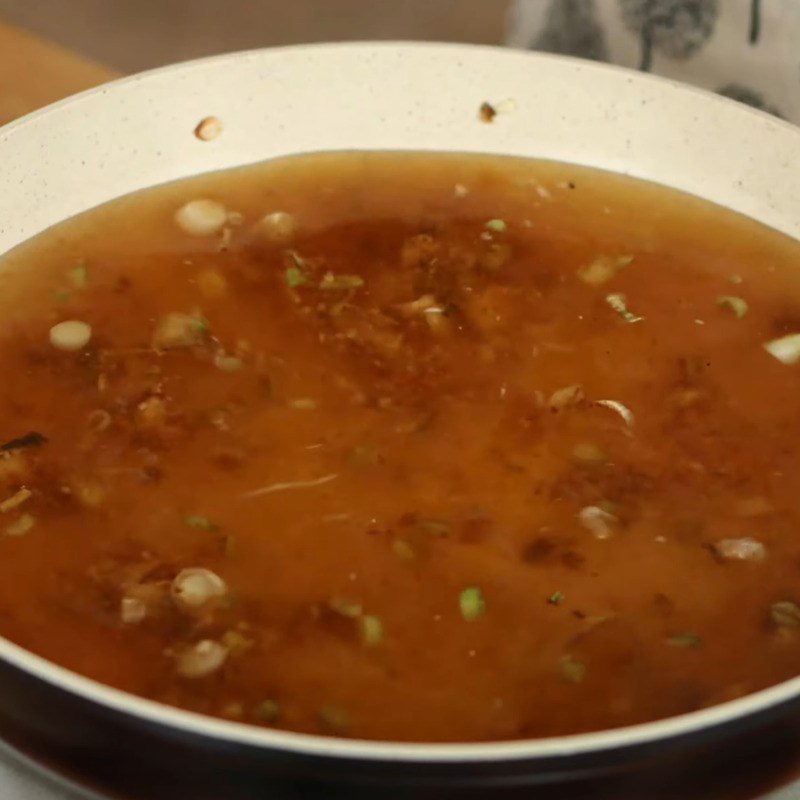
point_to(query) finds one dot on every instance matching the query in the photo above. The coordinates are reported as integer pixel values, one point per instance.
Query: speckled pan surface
(139, 132)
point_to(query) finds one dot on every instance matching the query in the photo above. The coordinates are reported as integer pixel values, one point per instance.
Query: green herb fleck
(334, 719)
(268, 711)
(572, 670)
(79, 276)
(736, 304)
(609, 506)
(346, 608)
(295, 277)
(236, 642)
(200, 324)
(471, 603)
(402, 549)
(736, 279)
(690, 640)
(785, 614)
(556, 599)
(330, 281)
(497, 225)
(618, 303)
(201, 523)
(62, 296)
(371, 629)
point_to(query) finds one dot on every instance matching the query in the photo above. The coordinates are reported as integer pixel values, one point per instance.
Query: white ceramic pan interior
(138, 132)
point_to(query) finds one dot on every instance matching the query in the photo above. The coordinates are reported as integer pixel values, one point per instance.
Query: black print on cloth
(674, 28)
(748, 96)
(571, 28)
(755, 21)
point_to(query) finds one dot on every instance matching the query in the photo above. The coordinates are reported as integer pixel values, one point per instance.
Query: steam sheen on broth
(405, 446)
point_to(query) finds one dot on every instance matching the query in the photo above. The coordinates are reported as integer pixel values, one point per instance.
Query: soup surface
(405, 446)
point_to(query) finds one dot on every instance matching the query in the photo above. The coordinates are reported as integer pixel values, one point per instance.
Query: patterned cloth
(746, 49)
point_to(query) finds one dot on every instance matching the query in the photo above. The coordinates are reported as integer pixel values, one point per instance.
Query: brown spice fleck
(208, 128)
(487, 112)
(538, 549)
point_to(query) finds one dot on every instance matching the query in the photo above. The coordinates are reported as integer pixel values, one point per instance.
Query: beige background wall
(131, 35)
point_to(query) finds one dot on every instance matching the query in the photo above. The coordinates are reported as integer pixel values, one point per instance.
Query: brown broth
(429, 456)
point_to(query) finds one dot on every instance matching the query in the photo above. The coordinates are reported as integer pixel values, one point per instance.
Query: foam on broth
(364, 484)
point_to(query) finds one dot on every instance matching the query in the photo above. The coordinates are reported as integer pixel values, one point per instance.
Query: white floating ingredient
(622, 410)
(786, 349)
(71, 335)
(201, 659)
(745, 549)
(132, 610)
(201, 217)
(279, 227)
(194, 587)
(597, 521)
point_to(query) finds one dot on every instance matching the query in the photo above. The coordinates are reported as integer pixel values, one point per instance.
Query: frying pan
(139, 132)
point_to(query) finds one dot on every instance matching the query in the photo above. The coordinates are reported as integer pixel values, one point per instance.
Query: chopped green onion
(295, 277)
(496, 225)
(786, 349)
(268, 711)
(609, 506)
(685, 640)
(371, 629)
(21, 526)
(556, 599)
(736, 304)
(471, 603)
(572, 670)
(346, 608)
(603, 269)
(62, 296)
(79, 276)
(334, 719)
(236, 642)
(618, 303)
(785, 614)
(402, 549)
(201, 523)
(201, 324)
(331, 281)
